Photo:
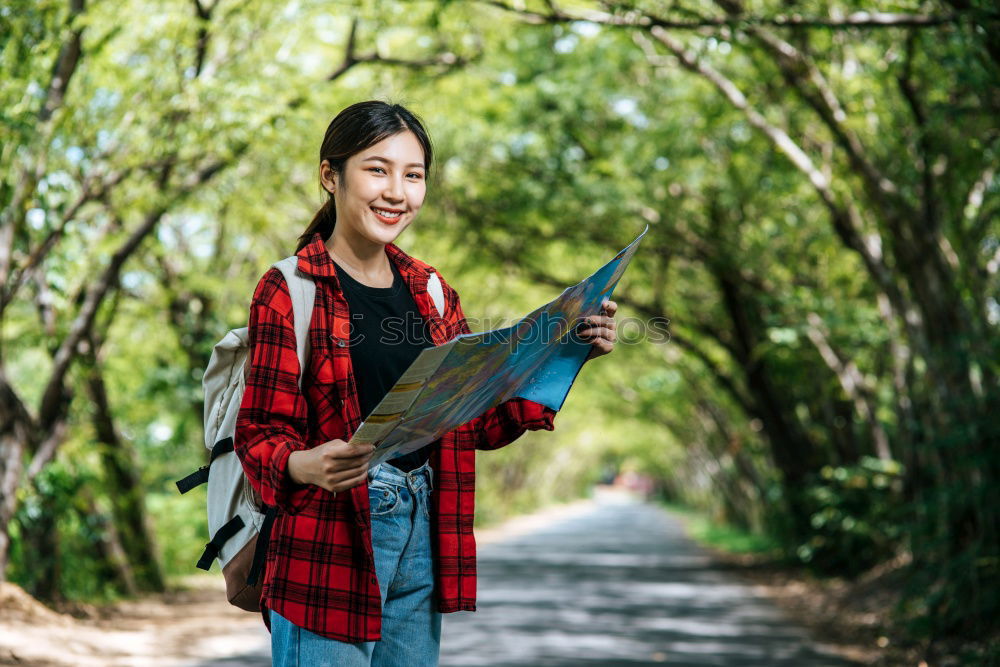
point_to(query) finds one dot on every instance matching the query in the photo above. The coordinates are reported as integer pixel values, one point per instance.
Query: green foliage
(181, 529)
(722, 536)
(857, 520)
(57, 533)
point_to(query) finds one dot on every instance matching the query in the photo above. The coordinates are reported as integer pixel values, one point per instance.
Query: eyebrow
(388, 161)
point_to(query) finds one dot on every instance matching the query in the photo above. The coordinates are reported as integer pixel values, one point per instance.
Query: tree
(98, 167)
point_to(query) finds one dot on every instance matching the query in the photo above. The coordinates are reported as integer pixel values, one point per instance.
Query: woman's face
(382, 190)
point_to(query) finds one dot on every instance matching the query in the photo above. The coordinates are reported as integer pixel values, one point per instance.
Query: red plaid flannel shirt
(320, 571)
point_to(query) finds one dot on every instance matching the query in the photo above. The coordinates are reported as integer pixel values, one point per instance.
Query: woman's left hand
(600, 330)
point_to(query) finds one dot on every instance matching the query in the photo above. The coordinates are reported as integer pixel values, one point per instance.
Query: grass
(721, 536)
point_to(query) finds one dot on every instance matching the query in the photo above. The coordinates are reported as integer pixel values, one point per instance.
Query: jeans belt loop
(411, 480)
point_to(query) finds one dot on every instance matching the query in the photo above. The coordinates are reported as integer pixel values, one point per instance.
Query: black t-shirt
(387, 334)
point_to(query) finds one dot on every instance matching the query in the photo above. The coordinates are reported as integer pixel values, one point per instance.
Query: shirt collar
(315, 260)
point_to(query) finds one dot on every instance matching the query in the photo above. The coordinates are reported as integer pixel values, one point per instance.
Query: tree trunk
(794, 453)
(110, 550)
(124, 487)
(15, 430)
(11, 452)
(40, 539)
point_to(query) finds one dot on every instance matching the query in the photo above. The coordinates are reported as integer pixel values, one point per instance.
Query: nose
(393, 190)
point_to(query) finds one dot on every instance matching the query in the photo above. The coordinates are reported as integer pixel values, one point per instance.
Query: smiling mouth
(387, 216)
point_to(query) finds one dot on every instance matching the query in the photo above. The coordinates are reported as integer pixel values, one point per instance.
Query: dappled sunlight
(618, 584)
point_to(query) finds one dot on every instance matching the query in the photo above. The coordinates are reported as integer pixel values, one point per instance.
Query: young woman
(361, 562)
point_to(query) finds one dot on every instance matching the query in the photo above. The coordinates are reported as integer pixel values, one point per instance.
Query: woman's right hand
(334, 465)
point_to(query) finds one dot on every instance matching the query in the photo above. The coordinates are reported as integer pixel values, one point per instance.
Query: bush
(855, 519)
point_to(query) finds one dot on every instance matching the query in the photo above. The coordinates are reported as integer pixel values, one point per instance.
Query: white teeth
(387, 214)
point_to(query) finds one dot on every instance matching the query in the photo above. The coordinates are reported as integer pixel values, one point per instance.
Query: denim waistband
(387, 473)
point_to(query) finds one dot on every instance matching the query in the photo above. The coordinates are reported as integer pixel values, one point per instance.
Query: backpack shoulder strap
(436, 292)
(303, 292)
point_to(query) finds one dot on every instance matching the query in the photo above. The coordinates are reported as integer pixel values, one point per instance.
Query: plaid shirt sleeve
(501, 425)
(271, 423)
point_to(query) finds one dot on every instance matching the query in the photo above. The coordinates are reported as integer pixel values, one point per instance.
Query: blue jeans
(401, 540)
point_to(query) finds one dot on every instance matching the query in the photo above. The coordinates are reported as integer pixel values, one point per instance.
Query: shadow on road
(616, 584)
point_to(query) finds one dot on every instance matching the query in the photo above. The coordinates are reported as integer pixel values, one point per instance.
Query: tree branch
(14, 415)
(809, 83)
(204, 13)
(851, 381)
(12, 216)
(95, 294)
(845, 218)
(64, 67)
(909, 92)
(352, 57)
(629, 17)
(721, 377)
(81, 325)
(19, 275)
(976, 214)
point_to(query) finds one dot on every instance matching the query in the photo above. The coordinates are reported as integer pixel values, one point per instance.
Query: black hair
(354, 129)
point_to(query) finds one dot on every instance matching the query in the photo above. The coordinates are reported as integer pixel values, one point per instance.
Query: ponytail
(323, 222)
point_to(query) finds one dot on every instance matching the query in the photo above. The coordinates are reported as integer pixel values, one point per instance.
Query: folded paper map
(537, 358)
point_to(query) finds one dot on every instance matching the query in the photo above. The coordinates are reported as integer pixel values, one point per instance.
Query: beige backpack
(238, 522)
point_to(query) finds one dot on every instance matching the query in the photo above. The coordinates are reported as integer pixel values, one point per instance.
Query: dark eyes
(412, 173)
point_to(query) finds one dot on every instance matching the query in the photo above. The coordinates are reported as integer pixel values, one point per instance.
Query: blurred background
(822, 189)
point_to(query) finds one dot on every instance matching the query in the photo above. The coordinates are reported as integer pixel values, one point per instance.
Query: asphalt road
(617, 584)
